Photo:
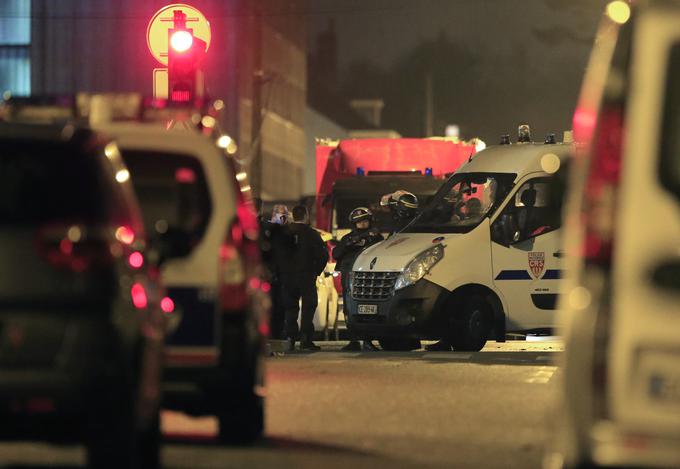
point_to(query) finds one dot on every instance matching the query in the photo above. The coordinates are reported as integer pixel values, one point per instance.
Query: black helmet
(405, 203)
(359, 214)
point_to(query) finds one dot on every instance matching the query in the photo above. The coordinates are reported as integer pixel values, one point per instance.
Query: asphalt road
(365, 410)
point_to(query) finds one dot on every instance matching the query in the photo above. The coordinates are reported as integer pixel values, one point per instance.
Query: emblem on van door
(370, 266)
(536, 263)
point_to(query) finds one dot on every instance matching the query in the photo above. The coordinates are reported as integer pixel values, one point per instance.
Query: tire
(118, 435)
(399, 345)
(241, 420)
(149, 445)
(115, 441)
(471, 325)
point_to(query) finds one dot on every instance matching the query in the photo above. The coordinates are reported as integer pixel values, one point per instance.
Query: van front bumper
(410, 312)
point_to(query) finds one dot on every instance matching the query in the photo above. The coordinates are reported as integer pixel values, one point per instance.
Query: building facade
(256, 60)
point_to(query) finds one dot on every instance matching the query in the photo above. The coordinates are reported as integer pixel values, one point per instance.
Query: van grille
(373, 285)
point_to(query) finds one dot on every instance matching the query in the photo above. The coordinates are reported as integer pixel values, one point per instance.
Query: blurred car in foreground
(620, 392)
(81, 328)
(195, 201)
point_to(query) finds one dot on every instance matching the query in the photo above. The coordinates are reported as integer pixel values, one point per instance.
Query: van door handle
(558, 254)
(667, 275)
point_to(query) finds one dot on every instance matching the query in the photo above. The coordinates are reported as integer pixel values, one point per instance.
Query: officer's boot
(369, 347)
(290, 344)
(307, 344)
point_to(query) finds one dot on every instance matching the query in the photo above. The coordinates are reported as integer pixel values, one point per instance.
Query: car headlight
(419, 266)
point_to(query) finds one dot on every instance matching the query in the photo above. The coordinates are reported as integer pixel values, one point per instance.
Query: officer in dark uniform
(301, 256)
(363, 235)
(271, 230)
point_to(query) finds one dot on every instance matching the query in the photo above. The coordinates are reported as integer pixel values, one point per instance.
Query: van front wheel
(471, 325)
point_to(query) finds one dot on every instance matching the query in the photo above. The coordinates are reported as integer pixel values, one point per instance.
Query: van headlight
(419, 266)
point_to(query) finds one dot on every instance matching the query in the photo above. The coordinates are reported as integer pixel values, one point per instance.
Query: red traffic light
(181, 40)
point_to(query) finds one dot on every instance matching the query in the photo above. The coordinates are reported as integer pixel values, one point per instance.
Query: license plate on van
(368, 309)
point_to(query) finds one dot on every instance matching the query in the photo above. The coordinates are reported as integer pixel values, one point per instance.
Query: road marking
(542, 375)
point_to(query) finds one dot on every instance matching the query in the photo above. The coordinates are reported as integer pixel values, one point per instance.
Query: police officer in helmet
(363, 235)
(403, 205)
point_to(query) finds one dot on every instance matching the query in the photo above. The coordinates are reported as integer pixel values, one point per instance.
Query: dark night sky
(495, 62)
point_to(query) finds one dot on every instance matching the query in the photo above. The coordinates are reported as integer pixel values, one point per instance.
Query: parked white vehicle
(620, 393)
(192, 198)
(481, 259)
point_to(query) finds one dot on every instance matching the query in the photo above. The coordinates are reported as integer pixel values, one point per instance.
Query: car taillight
(167, 305)
(136, 260)
(73, 248)
(139, 298)
(601, 187)
(599, 218)
(239, 257)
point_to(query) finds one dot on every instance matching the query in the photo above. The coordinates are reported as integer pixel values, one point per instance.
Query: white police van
(194, 200)
(481, 259)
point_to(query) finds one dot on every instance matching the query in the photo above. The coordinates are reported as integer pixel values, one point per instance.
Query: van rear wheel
(241, 419)
(471, 325)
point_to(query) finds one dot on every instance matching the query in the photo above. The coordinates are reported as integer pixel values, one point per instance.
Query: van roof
(518, 158)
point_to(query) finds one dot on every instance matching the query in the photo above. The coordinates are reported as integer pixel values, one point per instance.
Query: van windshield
(463, 202)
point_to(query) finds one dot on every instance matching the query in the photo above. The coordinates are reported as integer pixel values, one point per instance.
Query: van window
(172, 192)
(535, 208)
(669, 173)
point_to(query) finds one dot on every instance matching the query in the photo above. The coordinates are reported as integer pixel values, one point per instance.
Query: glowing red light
(263, 329)
(138, 296)
(255, 283)
(167, 305)
(266, 287)
(181, 95)
(181, 40)
(136, 260)
(228, 252)
(185, 175)
(66, 246)
(125, 235)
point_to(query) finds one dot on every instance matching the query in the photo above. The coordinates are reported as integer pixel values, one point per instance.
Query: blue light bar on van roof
(428, 171)
(361, 171)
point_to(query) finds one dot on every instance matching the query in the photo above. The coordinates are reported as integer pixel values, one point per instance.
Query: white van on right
(619, 403)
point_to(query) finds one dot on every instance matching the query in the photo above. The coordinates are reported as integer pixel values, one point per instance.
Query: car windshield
(463, 202)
